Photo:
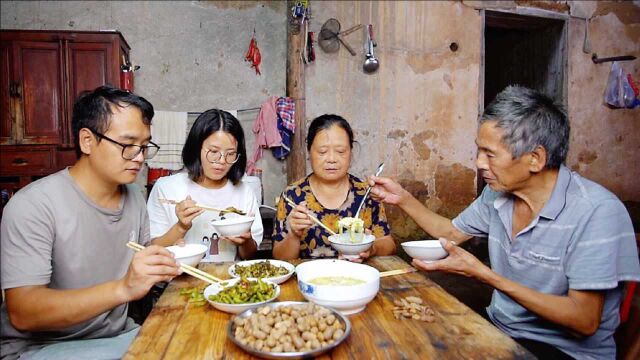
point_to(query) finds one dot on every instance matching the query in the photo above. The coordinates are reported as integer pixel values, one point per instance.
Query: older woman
(329, 193)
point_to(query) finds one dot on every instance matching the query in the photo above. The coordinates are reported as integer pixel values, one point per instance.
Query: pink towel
(266, 130)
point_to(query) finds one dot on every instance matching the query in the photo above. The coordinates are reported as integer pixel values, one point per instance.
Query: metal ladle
(371, 64)
(364, 198)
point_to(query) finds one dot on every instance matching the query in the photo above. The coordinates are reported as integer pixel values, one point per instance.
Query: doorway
(523, 50)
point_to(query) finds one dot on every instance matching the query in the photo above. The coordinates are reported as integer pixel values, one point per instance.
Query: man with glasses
(66, 270)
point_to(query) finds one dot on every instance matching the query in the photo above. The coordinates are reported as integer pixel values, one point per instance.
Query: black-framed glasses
(230, 157)
(130, 151)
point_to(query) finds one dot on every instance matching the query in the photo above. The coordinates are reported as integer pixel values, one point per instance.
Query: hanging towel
(286, 109)
(169, 131)
(265, 129)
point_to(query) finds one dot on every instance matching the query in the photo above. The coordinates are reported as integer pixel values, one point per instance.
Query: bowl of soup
(342, 285)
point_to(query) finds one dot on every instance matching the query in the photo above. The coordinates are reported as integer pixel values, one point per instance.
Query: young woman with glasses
(214, 158)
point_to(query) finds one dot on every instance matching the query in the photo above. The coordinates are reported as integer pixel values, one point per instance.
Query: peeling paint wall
(418, 112)
(605, 143)
(191, 52)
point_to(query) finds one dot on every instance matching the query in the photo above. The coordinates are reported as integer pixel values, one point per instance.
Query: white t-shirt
(176, 187)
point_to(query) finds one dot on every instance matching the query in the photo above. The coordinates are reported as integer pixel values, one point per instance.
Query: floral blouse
(315, 239)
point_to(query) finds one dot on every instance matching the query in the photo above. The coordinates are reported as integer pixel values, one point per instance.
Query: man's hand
(151, 265)
(459, 261)
(298, 220)
(240, 239)
(386, 190)
(186, 211)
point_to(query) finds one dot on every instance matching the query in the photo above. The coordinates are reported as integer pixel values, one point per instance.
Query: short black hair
(206, 124)
(324, 122)
(93, 110)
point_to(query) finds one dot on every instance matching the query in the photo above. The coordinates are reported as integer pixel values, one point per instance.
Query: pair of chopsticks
(310, 216)
(174, 202)
(197, 273)
(398, 272)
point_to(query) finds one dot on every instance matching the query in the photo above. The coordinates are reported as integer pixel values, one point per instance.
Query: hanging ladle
(371, 64)
(364, 198)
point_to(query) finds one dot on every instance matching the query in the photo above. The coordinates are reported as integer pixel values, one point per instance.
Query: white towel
(169, 131)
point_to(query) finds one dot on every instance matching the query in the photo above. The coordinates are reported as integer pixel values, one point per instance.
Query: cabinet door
(88, 65)
(6, 91)
(38, 71)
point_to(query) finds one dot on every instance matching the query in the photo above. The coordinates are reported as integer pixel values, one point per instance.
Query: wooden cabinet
(42, 73)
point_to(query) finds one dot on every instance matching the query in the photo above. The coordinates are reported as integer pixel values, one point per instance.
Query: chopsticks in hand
(197, 273)
(313, 218)
(230, 209)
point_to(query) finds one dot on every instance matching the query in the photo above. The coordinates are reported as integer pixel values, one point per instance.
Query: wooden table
(176, 329)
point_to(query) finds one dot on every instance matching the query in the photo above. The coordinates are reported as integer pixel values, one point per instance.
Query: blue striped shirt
(582, 239)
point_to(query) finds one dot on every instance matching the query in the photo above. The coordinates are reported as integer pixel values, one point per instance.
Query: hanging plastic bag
(614, 94)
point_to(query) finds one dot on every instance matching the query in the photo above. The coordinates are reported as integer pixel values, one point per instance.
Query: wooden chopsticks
(310, 216)
(398, 272)
(174, 202)
(197, 273)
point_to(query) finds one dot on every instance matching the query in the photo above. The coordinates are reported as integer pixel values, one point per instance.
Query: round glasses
(230, 157)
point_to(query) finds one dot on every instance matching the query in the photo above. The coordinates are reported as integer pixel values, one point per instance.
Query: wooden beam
(296, 167)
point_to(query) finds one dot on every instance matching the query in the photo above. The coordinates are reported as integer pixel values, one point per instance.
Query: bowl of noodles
(345, 286)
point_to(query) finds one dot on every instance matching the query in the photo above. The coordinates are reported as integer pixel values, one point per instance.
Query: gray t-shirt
(52, 234)
(582, 239)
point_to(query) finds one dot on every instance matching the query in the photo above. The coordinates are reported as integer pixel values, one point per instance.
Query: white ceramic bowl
(346, 299)
(276, 279)
(425, 250)
(213, 289)
(343, 245)
(189, 254)
(233, 226)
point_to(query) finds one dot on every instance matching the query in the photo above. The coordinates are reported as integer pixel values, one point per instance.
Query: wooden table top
(176, 329)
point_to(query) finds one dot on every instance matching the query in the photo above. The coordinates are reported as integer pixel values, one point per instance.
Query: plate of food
(307, 330)
(240, 294)
(275, 271)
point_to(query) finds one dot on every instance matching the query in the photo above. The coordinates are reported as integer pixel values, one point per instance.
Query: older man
(560, 245)
(66, 270)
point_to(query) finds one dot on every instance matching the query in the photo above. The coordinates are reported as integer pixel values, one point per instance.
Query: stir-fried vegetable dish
(244, 292)
(261, 269)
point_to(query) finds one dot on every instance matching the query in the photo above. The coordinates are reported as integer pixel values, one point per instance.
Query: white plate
(276, 280)
(213, 289)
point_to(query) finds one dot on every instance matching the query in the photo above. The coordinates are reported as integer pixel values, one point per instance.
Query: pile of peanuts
(411, 307)
(289, 328)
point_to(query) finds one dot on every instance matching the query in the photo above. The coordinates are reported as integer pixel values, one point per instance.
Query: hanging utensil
(331, 37)
(371, 64)
(378, 172)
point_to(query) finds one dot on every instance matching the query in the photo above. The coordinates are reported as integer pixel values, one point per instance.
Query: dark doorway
(524, 50)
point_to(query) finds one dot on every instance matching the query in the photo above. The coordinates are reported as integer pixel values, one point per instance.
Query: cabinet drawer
(25, 163)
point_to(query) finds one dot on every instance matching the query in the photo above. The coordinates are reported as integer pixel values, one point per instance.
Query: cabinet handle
(14, 89)
(19, 162)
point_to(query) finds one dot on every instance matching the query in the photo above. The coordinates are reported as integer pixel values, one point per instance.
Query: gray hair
(528, 119)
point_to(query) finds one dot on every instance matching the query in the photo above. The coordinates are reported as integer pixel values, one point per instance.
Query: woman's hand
(459, 261)
(240, 239)
(298, 220)
(186, 211)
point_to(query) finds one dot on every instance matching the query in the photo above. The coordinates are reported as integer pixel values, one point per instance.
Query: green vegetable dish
(245, 292)
(261, 269)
